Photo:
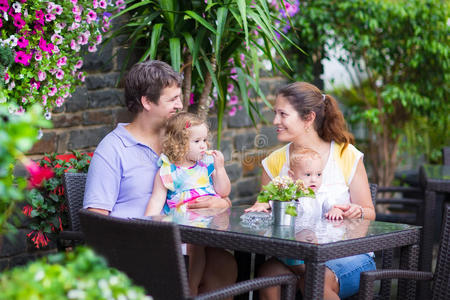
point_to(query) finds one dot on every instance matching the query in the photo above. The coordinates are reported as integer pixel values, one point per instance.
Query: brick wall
(96, 108)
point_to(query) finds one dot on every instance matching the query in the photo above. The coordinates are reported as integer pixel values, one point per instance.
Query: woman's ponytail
(334, 126)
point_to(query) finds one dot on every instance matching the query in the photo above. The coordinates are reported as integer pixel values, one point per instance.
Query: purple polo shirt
(121, 174)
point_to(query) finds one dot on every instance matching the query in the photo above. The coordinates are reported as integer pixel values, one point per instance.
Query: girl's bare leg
(196, 266)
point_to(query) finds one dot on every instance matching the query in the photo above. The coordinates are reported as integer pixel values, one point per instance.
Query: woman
(306, 118)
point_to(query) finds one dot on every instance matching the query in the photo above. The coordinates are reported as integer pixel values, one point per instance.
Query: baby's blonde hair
(175, 143)
(300, 155)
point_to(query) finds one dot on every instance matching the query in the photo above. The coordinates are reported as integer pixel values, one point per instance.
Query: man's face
(169, 103)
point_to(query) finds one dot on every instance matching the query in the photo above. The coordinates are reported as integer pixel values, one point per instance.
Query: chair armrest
(253, 284)
(367, 278)
(71, 235)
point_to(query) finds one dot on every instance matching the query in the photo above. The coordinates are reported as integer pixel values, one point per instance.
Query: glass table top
(307, 228)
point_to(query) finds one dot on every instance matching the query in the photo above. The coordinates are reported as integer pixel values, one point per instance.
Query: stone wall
(96, 108)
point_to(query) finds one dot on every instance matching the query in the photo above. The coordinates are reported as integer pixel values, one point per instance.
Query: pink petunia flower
(230, 88)
(44, 99)
(98, 39)
(38, 56)
(74, 46)
(74, 1)
(91, 16)
(4, 5)
(74, 26)
(78, 65)
(6, 77)
(40, 16)
(22, 42)
(42, 75)
(1, 23)
(35, 84)
(18, 21)
(76, 10)
(102, 4)
(78, 19)
(92, 48)
(59, 101)
(58, 9)
(50, 17)
(81, 76)
(95, 4)
(52, 91)
(57, 38)
(23, 58)
(233, 100)
(59, 74)
(62, 61)
(232, 111)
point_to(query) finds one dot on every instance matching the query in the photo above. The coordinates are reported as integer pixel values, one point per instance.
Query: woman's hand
(259, 207)
(209, 202)
(351, 211)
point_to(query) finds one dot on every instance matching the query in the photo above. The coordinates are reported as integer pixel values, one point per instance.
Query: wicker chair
(149, 252)
(440, 279)
(74, 184)
(446, 156)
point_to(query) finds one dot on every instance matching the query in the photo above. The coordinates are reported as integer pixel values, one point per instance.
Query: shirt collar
(125, 136)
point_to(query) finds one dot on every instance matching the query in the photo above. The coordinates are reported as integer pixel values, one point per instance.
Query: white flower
(39, 275)
(17, 7)
(13, 41)
(5, 16)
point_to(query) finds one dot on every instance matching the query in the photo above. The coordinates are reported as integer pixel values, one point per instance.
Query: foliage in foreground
(74, 275)
(17, 135)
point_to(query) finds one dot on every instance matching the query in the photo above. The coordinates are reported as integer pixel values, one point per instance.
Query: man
(124, 165)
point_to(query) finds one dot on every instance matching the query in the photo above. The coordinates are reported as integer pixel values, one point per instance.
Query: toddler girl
(187, 171)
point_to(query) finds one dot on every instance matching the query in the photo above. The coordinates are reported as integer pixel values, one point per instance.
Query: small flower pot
(280, 217)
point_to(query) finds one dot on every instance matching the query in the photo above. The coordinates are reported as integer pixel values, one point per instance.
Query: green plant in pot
(285, 189)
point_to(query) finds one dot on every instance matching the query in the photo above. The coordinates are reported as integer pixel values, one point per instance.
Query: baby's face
(310, 172)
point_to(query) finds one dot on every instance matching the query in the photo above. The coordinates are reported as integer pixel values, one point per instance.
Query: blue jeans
(346, 269)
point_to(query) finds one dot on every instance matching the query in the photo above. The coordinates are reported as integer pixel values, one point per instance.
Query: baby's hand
(219, 160)
(335, 214)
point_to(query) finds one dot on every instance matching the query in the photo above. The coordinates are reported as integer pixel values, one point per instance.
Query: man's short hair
(148, 79)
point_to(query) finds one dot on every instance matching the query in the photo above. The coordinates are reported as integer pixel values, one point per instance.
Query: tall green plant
(214, 44)
(400, 50)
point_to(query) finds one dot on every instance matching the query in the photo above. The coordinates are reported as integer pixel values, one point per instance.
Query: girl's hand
(335, 214)
(219, 160)
(350, 211)
(259, 207)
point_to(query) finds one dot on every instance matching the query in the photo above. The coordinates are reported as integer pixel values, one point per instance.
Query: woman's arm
(360, 198)
(158, 198)
(221, 182)
(265, 179)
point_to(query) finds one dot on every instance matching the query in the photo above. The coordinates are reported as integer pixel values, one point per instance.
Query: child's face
(197, 142)
(309, 171)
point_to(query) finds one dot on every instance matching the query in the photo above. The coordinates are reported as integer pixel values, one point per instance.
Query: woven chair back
(441, 278)
(149, 252)
(74, 184)
(373, 192)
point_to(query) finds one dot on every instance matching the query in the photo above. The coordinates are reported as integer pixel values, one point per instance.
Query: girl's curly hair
(176, 140)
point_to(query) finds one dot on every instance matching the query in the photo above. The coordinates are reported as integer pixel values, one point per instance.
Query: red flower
(27, 209)
(38, 174)
(39, 238)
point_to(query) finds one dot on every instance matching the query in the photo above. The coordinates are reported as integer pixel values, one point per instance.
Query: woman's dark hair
(148, 79)
(329, 123)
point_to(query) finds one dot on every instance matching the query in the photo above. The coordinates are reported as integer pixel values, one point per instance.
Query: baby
(305, 164)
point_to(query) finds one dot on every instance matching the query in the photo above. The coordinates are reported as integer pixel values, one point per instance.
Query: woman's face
(287, 120)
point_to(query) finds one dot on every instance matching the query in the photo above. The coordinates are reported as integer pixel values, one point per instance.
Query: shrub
(74, 275)
(46, 204)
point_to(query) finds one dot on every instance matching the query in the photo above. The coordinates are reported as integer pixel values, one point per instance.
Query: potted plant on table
(284, 193)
